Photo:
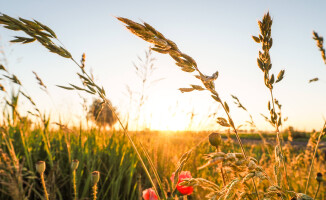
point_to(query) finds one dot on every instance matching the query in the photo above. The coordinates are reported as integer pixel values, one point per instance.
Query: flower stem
(44, 187)
(222, 172)
(74, 184)
(94, 188)
(317, 190)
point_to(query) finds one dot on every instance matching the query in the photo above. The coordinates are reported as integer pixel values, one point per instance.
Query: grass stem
(279, 142)
(317, 190)
(313, 157)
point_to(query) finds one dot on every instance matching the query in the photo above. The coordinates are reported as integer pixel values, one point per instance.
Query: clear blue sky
(217, 34)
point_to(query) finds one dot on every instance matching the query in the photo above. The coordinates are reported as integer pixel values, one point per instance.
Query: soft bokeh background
(217, 34)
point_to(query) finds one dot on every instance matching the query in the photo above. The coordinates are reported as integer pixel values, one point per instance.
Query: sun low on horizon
(147, 92)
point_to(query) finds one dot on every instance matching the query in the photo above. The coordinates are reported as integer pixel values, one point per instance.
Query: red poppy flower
(185, 190)
(149, 194)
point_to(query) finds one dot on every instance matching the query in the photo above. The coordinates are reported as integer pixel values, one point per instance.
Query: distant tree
(101, 113)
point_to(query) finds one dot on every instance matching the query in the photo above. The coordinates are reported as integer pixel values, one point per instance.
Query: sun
(169, 122)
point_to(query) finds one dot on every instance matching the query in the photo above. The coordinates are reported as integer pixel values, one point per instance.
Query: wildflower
(185, 190)
(149, 194)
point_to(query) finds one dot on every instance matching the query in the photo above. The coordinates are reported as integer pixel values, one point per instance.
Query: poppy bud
(215, 139)
(40, 167)
(95, 177)
(74, 165)
(319, 177)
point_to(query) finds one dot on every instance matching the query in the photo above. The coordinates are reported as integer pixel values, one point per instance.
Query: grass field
(42, 159)
(121, 175)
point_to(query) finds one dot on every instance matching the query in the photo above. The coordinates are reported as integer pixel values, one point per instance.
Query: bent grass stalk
(46, 36)
(187, 64)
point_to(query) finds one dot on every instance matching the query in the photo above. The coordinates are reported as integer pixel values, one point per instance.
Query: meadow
(40, 160)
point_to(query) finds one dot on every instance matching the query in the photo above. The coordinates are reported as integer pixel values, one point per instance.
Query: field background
(121, 174)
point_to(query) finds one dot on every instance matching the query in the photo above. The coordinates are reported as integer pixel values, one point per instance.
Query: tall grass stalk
(264, 63)
(279, 142)
(322, 132)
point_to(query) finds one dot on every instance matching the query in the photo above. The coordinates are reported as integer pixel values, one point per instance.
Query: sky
(217, 34)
